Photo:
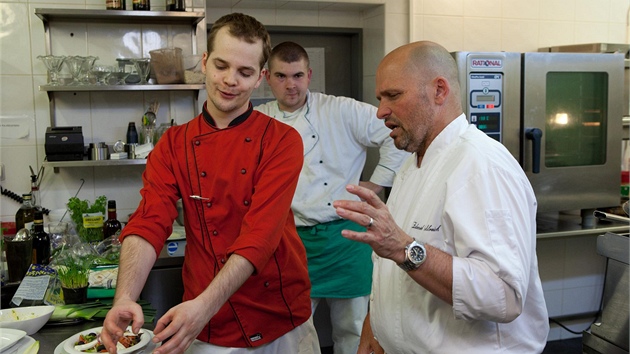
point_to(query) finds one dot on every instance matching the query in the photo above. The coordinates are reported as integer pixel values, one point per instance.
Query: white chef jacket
(471, 199)
(336, 132)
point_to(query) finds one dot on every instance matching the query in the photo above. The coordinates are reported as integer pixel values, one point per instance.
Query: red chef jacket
(241, 179)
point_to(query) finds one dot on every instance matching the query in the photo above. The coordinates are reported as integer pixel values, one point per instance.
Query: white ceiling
(295, 5)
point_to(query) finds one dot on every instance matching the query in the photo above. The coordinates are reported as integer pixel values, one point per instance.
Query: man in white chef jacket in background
(336, 132)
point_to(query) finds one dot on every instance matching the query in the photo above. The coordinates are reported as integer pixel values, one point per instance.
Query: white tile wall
(567, 266)
(525, 26)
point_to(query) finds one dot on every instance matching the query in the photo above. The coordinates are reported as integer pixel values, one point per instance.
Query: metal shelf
(56, 165)
(48, 15)
(130, 87)
(120, 16)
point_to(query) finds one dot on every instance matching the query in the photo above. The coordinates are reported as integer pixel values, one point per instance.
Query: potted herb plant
(73, 273)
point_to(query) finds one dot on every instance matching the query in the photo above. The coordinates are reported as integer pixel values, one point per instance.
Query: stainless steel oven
(559, 114)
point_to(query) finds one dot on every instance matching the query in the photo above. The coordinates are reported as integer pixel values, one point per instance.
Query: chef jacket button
(328, 204)
(223, 260)
(246, 202)
(209, 204)
(215, 232)
(197, 142)
(320, 161)
(247, 140)
(266, 284)
(325, 183)
(313, 136)
(203, 174)
(243, 171)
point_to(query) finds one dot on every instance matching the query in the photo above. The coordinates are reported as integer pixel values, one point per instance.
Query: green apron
(338, 267)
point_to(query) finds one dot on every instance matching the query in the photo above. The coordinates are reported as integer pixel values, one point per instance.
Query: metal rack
(48, 15)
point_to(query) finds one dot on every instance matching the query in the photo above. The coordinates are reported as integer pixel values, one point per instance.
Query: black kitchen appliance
(64, 143)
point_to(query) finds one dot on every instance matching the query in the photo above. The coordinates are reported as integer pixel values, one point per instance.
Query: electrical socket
(2, 172)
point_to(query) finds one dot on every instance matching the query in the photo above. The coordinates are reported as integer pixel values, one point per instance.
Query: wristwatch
(415, 254)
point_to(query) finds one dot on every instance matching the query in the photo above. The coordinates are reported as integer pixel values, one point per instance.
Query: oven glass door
(576, 119)
(575, 101)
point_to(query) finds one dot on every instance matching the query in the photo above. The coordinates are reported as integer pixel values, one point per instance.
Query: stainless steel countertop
(570, 224)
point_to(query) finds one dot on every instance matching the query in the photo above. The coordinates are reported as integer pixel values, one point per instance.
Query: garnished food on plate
(91, 342)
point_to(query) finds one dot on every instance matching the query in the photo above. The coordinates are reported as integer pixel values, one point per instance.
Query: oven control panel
(485, 102)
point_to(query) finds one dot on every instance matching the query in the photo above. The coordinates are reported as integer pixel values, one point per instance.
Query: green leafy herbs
(78, 208)
(73, 268)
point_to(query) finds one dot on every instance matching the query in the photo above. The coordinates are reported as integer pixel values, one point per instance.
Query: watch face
(416, 254)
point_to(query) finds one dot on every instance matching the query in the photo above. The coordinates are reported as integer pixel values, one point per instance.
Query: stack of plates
(13, 341)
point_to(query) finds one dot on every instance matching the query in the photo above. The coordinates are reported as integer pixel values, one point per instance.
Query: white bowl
(28, 319)
(68, 345)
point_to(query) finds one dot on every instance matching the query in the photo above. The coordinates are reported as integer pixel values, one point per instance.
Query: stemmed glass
(143, 68)
(102, 73)
(75, 65)
(120, 73)
(53, 64)
(86, 69)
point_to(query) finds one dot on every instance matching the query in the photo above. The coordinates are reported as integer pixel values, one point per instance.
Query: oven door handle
(535, 135)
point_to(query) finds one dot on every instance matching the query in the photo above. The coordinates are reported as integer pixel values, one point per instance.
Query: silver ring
(370, 223)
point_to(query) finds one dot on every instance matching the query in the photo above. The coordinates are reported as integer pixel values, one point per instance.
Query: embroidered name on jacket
(426, 227)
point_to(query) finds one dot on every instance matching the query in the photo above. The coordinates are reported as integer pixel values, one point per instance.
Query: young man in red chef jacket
(235, 169)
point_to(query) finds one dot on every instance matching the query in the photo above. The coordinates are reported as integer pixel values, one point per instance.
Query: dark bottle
(41, 240)
(111, 225)
(115, 4)
(175, 5)
(142, 5)
(26, 213)
(132, 133)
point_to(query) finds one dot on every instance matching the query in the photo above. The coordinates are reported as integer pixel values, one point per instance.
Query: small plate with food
(89, 341)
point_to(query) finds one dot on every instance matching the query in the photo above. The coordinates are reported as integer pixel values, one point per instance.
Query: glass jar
(161, 130)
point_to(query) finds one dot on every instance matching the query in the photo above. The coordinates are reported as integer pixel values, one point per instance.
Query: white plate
(9, 336)
(148, 349)
(20, 346)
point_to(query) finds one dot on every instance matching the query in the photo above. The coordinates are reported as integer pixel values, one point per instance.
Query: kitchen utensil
(75, 66)
(612, 217)
(98, 151)
(120, 73)
(28, 319)
(192, 70)
(145, 338)
(167, 63)
(19, 253)
(133, 77)
(86, 69)
(102, 73)
(53, 64)
(8, 337)
(143, 68)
